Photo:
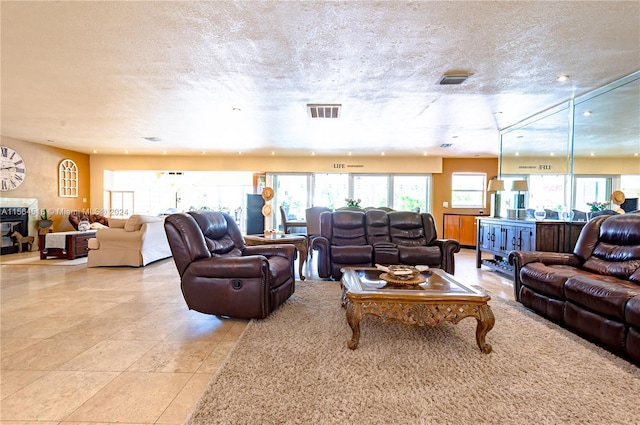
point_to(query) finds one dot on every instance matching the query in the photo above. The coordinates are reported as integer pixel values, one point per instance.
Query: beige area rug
(36, 261)
(295, 368)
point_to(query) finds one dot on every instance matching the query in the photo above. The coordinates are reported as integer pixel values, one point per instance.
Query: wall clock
(13, 169)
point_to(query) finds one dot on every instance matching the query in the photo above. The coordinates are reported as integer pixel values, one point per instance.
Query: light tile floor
(118, 345)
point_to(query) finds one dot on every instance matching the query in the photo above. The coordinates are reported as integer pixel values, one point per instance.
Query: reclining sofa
(594, 291)
(365, 238)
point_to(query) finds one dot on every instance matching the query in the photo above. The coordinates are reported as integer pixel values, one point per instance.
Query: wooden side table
(299, 241)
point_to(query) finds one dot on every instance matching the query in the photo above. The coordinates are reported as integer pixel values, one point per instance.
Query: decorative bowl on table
(402, 274)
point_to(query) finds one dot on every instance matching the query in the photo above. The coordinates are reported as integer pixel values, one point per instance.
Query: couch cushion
(352, 254)
(604, 295)
(416, 255)
(547, 279)
(280, 268)
(135, 222)
(632, 312)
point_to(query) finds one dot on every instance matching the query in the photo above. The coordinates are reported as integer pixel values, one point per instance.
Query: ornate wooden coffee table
(299, 241)
(439, 299)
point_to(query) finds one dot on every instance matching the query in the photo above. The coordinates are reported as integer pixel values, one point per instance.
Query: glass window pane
(410, 192)
(548, 191)
(590, 189)
(330, 190)
(291, 194)
(373, 191)
(467, 190)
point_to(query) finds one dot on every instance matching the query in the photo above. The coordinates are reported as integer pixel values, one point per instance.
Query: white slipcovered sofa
(136, 242)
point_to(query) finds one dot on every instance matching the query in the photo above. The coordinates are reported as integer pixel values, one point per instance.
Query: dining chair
(287, 224)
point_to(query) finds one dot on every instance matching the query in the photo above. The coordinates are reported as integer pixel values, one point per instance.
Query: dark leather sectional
(594, 291)
(364, 238)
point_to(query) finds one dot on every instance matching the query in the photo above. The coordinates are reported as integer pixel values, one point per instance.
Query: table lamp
(495, 186)
(520, 186)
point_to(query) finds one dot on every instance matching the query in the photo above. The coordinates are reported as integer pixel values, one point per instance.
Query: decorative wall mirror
(578, 153)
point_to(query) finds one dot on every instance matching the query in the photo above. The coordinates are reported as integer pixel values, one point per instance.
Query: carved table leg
(353, 318)
(303, 252)
(486, 320)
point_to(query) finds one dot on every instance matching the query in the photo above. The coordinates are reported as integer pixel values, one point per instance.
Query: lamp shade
(520, 186)
(495, 185)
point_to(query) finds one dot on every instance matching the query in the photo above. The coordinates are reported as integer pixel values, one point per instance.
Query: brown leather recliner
(220, 275)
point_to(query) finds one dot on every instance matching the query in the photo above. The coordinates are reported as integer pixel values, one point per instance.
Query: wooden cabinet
(461, 228)
(499, 237)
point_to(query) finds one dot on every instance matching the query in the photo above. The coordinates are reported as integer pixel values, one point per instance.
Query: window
(468, 190)
(373, 191)
(410, 192)
(330, 190)
(291, 194)
(68, 173)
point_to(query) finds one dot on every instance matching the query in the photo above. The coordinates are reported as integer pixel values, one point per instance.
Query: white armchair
(136, 242)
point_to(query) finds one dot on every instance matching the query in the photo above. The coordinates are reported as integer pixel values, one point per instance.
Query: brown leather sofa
(220, 275)
(359, 238)
(594, 291)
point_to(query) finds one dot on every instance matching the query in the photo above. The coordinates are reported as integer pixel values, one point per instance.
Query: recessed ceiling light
(237, 110)
(587, 113)
(562, 78)
(497, 113)
(152, 139)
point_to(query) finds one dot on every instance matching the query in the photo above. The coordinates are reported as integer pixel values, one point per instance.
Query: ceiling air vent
(317, 110)
(449, 79)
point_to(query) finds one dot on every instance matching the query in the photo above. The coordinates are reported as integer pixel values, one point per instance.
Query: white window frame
(68, 179)
(481, 189)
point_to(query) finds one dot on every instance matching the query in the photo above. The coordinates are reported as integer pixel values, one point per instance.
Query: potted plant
(44, 222)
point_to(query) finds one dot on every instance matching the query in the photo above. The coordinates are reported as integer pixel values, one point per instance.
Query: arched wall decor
(68, 176)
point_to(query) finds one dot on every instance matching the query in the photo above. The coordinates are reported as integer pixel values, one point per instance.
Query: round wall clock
(13, 169)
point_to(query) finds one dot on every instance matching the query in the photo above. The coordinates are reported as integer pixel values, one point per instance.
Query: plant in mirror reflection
(598, 206)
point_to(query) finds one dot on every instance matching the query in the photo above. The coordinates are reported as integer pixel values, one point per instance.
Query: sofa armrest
(228, 267)
(282, 250)
(448, 248)
(153, 234)
(321, 244)
(519, 259)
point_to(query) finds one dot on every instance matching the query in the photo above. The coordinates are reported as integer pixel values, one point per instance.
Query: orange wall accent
(41, 182)
(442, 185)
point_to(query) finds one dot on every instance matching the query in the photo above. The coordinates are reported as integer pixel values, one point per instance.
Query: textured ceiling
(227, 77)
